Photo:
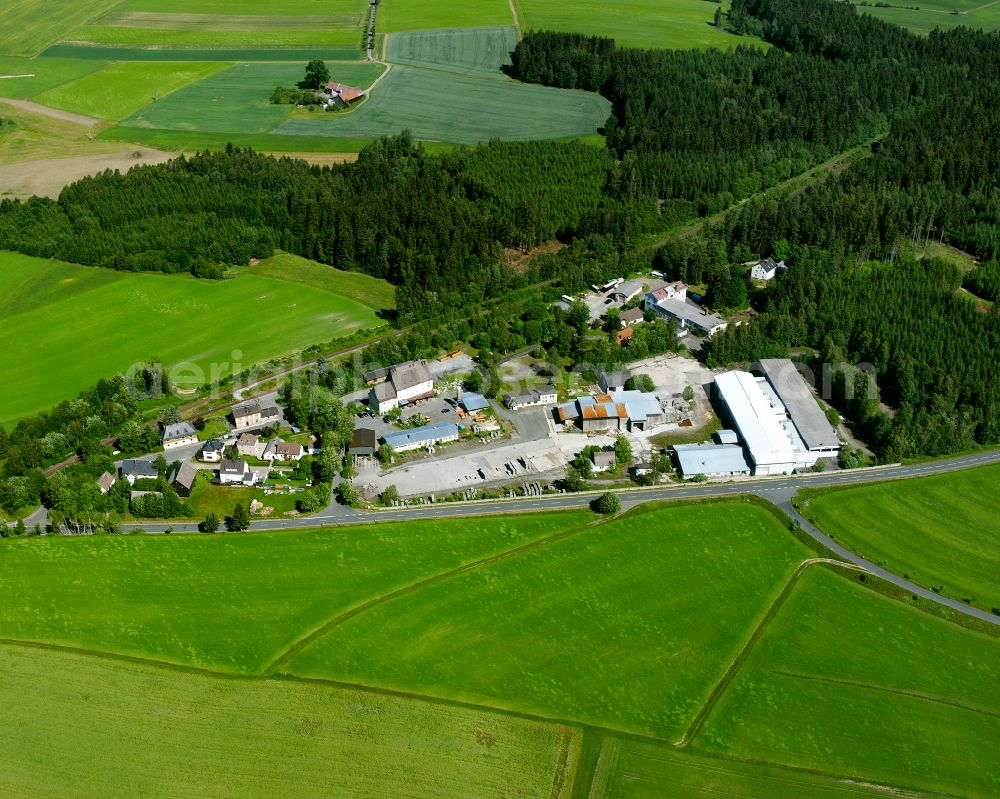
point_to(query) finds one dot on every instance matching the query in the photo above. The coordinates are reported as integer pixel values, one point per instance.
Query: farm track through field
(319, 631)
(716, 694)
(55, 113)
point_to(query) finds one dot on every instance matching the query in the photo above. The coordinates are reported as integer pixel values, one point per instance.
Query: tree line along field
(625, 625)
(82, 323)
(939, 531)
(126, 728)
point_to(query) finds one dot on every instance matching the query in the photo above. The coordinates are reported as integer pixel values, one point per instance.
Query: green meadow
(845, 681)
(121, 89)
(631, 769)
(64, 326)
(923, 17)
(128, 729)
(474, 51)
(367, 290)
(939, 531)
(237, 99)
(680, 24)
(29, 26)
(411, 15)
(444, 106)
(36, 75)
(232, 603)
(623, 625)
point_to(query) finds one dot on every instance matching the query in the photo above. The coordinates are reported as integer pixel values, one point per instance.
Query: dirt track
(55, 113)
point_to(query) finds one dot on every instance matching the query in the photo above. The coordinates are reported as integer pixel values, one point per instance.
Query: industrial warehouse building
(776, 418)
(422, 437)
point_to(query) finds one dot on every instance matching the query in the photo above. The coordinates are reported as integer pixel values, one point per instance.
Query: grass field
(237, 100)
(120, 89)
(630, 769)
(261, 32)
(444, 106)
(411, 15)
(125, 729)
(233, 602)
(475, 51)
(367, 290)
(848, 682)
(106, 52)
(923, 17)
(29, 26)
(81, 325)
(35, 136)
(939, 531)
(40, 74)
(623, 625)
(677, 24)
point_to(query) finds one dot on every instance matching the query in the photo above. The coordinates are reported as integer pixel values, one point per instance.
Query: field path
(720, 688)
(305, 640)
(55, 113)
(517, 18)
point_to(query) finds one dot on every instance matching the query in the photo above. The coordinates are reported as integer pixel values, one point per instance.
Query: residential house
(278, 450)
(339, 94)
(546, 395)
(623, 336)
(407, 383)
(133, 470)
(211, 451)
(671, 302)
(255, 413)
(633, 316)
(105, 481)
(422, 437)
(766, 269)
(179, 435)
(249, 446)
(236, 472)
(603, 460)
(183, 478)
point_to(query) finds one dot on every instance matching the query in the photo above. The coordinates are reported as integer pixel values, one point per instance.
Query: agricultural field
(29, 136)
(29, 26)
(412, 15)
(630, 769)
(473, 51)
(82, 51)
(367, 290)
(238, 99)
(27, 77)
(88, 328)
(476, 110)
(126, 728)
(622, 625)
(121, 89)
(924, 16)
(939, 531)
(232, 603)
(680, 24)
(848, 682)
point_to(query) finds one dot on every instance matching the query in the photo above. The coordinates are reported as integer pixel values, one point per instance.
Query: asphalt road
(777, 490)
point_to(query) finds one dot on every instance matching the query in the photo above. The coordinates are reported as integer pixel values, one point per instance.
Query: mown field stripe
(317, 632)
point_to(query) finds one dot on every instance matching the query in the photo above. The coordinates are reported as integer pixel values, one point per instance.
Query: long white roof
(755, 419)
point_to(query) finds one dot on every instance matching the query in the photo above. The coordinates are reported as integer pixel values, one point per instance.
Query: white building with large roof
(758, 424)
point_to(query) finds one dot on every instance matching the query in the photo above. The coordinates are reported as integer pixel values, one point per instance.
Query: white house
(178, 435)
(133, 470)
(235, 473)
(671, 302)
(766, 269)
(407, 382)
(255, 413)
(249, 446)
(422, 437)
(278, 450)
(546, 395)
(603, 460)
(211, 451)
